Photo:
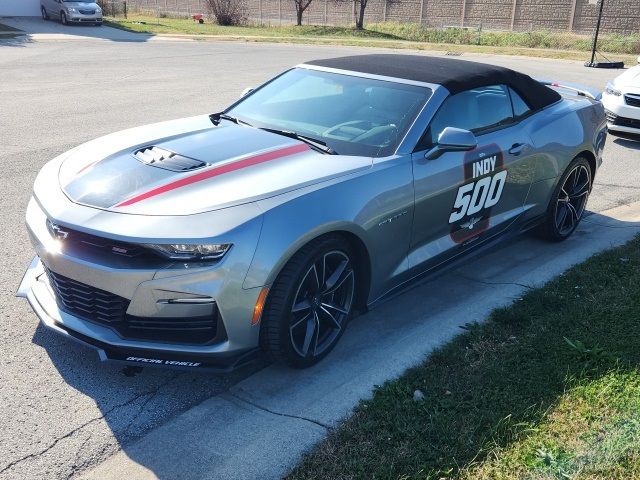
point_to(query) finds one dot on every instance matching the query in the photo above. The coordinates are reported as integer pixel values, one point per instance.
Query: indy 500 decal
(471, 210)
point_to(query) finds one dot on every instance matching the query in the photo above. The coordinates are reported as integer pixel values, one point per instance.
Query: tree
(361, 6)
(301, 6)
(227, 12)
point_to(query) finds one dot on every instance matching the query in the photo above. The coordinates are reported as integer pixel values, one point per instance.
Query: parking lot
(64, 411)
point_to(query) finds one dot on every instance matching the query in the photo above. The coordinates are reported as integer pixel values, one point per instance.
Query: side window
(478, 110)
(520, 107)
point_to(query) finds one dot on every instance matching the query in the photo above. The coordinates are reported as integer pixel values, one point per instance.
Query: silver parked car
(197, 242)
(71, 11)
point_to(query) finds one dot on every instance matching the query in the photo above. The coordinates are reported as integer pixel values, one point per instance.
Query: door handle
(518, 148)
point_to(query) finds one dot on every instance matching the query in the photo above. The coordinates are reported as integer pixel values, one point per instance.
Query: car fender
(375, 206)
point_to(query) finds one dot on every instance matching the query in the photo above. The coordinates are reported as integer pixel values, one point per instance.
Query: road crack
(528, 287)
(264, 409)
(69, 434)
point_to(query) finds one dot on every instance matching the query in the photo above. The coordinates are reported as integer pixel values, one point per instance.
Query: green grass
(548, 388)
(394, 35)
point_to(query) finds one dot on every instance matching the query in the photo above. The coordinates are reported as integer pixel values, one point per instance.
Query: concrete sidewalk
(35, 28)
(260, 428)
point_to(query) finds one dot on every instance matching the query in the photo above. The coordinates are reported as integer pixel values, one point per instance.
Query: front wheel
(568, 201)
(310, 303)
(63, 18)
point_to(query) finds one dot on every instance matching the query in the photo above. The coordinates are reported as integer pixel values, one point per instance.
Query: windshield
(352, 115)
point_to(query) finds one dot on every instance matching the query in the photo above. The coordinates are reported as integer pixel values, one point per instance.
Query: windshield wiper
(313, 142)
(216, 117)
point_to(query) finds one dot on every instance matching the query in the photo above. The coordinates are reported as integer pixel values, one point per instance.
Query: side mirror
(452, 140)
(246, 92)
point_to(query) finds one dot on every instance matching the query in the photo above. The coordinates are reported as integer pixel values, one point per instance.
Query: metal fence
(157, 8)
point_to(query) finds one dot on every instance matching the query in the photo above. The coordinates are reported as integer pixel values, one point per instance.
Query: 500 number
(475, 196)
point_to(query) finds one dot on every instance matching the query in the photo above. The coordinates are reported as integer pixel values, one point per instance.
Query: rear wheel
(45, 16)
(310, 303)
(568, 202)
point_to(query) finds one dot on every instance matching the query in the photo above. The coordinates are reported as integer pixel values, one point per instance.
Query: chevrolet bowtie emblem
(56, 231)
(471, 223)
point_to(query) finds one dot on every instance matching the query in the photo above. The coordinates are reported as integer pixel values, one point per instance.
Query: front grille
(87, 12)
(623, 121)
(108, 309)
(75, 239)
(87, 302)
(632, 100)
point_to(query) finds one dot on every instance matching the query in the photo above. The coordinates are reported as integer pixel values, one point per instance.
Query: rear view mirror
(246, 92)
(452, 140)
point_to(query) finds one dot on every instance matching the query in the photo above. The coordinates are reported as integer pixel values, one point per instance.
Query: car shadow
(131, 401)
(424, 317)
(37, 28)
(628, 140)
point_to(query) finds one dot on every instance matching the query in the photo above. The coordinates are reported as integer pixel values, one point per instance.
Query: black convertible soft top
(453, 74)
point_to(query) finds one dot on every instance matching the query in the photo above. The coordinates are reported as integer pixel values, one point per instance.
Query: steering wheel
(363, 127)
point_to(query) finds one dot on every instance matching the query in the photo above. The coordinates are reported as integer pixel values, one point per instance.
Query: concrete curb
(260, 428)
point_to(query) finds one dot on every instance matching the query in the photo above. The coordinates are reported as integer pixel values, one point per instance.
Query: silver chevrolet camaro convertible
(199, 242)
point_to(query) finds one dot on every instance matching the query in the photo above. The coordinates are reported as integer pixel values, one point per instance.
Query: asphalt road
(62, 410)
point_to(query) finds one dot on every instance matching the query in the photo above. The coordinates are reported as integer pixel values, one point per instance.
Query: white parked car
(621, 99)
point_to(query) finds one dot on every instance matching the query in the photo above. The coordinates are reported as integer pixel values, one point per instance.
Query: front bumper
(161, 296)
(621, 116)
(36, 289)
(82, 18)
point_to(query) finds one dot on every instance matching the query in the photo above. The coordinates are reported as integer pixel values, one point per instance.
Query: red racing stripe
(86, 167)
(214, 172)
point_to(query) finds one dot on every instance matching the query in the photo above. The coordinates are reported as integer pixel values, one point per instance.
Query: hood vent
(161, 158)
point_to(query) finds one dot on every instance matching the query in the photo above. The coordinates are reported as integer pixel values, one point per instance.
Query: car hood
(190, 166)
(630, 78)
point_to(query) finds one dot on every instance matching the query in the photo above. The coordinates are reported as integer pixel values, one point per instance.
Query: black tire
(45, 15)
(306, 313)
(63, 18)
(568, 201)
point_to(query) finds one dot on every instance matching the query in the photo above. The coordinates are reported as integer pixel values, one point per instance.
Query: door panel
(463, 197)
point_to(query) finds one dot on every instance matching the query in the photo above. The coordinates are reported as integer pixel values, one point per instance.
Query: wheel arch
(359, 246)
(591, 158)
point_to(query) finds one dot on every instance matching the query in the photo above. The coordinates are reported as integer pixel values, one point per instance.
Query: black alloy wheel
(569, 201)
(322, 304)
(310, 303)
(572, 199)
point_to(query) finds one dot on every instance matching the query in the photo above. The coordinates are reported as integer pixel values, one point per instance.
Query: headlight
(72, 10)
(98, 10)
(611, 90)
(188, 251)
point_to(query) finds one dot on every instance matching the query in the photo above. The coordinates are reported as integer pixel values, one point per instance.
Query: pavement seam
(264, 409)
(86, 424)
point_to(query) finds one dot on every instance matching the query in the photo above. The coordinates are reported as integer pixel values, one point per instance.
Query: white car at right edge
(621, 99)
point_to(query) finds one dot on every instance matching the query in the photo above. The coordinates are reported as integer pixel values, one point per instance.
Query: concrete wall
(620, 16)
(19, 8)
